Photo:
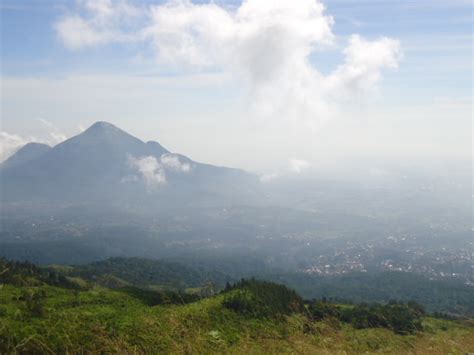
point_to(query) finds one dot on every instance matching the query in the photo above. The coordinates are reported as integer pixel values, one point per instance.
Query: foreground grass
(104, 320)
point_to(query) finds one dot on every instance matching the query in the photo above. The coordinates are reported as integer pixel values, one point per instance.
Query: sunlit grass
(103, 320)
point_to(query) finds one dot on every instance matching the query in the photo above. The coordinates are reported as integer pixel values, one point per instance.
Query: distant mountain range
(106, 165)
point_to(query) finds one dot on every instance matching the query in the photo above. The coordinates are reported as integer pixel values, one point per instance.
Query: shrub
(27, 274)
(262, 299)
(400, 317)
(34, 301)
(322, 309)
(153, 298)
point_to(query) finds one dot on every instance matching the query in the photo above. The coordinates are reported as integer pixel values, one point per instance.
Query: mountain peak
(106, 131)
(103, 126)
(102, 131)
(156, 148)
(34, 146)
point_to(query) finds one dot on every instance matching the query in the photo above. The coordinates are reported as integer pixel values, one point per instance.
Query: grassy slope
(107, 320)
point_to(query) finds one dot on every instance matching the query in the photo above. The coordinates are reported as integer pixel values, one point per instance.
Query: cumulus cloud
(153, 170)
(363, 63)
(266, 44)
(298, 165)
(172, 162)
(149, 169)
(99, 22)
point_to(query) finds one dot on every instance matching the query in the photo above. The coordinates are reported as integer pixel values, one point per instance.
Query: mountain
(106, 165)
(26, 153)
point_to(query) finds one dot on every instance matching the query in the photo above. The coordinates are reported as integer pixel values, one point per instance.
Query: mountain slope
(148, 273)
(26, 153)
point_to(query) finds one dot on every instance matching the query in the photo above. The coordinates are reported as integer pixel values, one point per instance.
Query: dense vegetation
(205, 277)
(262, 299)
(119, 272)
(445, 296)
(27, 274)
(402, 318)
(40, 315)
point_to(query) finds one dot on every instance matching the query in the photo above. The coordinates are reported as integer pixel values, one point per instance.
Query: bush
(322, 309)
(34, 301)
(262, 299)
(153, 298)
(27, 274)
(400, 317)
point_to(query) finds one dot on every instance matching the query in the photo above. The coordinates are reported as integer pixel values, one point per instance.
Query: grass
(104, 320)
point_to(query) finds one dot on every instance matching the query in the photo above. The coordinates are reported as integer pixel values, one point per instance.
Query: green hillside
(144, 273)
(47, 314)
(446, 296)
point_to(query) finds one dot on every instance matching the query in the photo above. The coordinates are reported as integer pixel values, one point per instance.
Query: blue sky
(426, 101)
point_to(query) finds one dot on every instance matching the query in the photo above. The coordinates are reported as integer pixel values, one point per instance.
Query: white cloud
(298, 165)
(153, 170)
(268, 177)
(264, 44)
(76, 33)
(56, 136)
(150, 170)
(10, 143)
(102, 22)
(295, 166)
(364, 61)
(172, 162)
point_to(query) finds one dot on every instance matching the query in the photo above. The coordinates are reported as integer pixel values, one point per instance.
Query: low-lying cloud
(153, 171)
(294, 167)
(172, 162)
(266, 45)
(150, 170)
(298, 166)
